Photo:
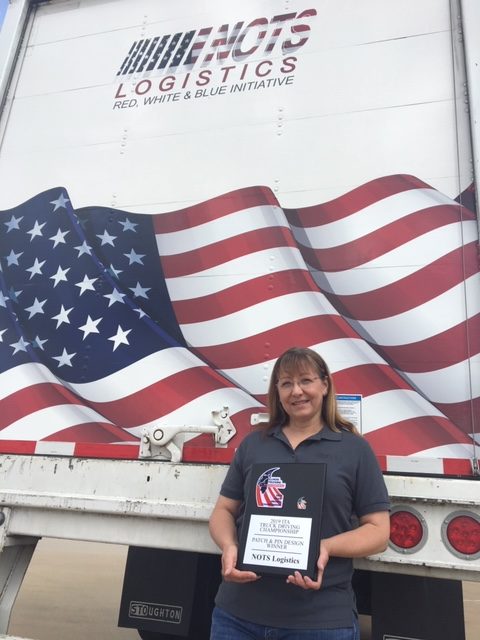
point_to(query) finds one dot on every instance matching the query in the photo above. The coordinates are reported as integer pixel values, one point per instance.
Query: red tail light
(407, 529)
(461, 534)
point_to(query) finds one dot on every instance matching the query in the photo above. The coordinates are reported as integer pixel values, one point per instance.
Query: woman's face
(301, 394)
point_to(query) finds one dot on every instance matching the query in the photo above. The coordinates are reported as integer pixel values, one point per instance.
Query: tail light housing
(461, 534)
(408, 529)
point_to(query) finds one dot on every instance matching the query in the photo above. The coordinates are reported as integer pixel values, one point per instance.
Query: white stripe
(385, 408)
(235, 272)
(371, 218)
(233, 224)
(117, 385)
(340, 354)
(398, 263)
(45, 422)
(25, 375)
(50, 448)
(139, 375)
(412, 464)
(429, 319)
(260, 317)
(451, 384)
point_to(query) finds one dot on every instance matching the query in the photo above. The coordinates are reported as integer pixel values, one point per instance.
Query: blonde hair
(295, 361)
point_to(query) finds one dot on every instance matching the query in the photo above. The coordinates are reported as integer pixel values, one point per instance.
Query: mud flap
(416, 608)
(169, 594)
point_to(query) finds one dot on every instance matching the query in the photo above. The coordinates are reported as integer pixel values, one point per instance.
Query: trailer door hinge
(165, 442)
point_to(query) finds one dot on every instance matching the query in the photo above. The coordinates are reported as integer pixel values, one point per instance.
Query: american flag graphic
(113, 321)
(268, 490)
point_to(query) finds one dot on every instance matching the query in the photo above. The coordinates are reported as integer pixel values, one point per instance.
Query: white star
(36, 268)
(37, 307)
(84, 248)
(1, 334)
(36, 230)
(106, 238)
(60, 202)
(61, 275)
(120, 337)
(140, 312)
(134, 257)
(127, 225)
(13, 257)
(62, 316)
(115, 296)
(59, 237)
(140, 292)
(13, 223)
(86, 284)
(21, 345)
(64, 358)
(38, 343)
(90, 327)
(3, 299)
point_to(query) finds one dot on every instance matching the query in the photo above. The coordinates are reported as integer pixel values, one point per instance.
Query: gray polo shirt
(354, 488)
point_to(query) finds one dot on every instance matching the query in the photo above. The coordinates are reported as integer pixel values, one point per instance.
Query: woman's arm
(370, 537)
(224, 533)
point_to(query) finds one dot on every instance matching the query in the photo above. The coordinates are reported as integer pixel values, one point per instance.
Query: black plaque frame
(269, 541)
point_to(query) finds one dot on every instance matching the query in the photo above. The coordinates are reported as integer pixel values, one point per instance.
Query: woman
(304, 426)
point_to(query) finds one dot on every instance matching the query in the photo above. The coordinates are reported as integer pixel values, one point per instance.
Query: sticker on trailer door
(350, 408)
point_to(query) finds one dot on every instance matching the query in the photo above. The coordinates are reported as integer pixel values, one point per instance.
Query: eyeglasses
(303, 383)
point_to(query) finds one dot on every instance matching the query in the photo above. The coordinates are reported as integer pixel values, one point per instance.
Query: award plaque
(283, 512)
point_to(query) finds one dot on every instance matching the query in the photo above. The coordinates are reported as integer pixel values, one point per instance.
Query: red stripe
(18, 446)
(460, 467)
(233, 298)
(411, 436)
(208, 455)
(452, 467)
(354, 200)
(217, 253)
(273, 342)
(161, 398)
(34, 398)
(368, 379)
(213, 209)
(443, 350)
(411, 291)
(462, 414)
(380, 241)
(91, 432)
(138, 408)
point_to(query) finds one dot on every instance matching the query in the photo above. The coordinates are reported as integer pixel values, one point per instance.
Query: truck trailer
(187, 189)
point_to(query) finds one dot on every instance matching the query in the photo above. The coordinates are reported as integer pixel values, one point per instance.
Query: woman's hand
(304, 582)
(229, 571)
(370, 537)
